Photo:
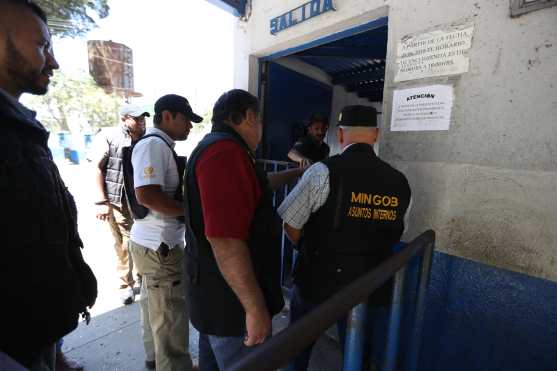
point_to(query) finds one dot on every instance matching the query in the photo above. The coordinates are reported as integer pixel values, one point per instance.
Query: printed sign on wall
(437, 53)
(422, 109)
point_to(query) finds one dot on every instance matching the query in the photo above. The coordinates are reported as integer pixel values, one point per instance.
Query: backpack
(137, 210)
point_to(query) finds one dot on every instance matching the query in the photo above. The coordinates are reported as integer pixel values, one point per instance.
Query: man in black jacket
(44, 281)
(351, 209)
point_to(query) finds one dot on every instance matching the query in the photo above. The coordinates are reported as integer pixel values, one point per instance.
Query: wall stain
(491, 233)
(498, 61)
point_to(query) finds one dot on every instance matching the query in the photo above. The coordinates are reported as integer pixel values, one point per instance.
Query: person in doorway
(311, 147)
(111, 204)
(344, 215)
(45, 282)
(157, 240)
(233, 249)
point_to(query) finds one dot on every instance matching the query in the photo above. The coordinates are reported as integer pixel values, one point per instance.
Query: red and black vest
(357, 227)
(214, 308)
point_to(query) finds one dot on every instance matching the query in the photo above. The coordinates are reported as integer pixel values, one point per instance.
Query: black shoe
(151, 365)
(127, 296)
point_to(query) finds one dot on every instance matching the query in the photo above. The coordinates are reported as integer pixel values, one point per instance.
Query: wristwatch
(103, 202)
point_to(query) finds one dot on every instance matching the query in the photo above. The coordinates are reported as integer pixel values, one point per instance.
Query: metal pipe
(276, 351)
(415, 340)
(355, 338)
(395, 316)
(282, 258)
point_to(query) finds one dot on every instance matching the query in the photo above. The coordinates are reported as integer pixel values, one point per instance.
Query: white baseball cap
(133, 110)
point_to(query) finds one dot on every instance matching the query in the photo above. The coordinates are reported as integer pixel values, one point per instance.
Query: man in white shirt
(157, 240)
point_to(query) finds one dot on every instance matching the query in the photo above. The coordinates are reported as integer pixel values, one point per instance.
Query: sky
(179, 46)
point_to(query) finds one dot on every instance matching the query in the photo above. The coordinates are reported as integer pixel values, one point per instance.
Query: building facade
(482, 165)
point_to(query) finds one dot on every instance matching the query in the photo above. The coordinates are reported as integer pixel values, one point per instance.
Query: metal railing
(288, 253)
(276, 352)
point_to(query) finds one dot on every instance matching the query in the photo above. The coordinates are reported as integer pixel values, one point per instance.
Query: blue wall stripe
(379, 22)
(479, 317)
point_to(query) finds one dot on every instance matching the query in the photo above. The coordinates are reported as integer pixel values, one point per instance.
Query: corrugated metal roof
(356, 62)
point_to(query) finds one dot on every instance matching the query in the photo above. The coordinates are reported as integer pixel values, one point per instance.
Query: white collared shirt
(154, 164)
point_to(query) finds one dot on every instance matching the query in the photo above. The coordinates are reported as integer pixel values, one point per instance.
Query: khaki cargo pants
(120, 225)
(164, 316)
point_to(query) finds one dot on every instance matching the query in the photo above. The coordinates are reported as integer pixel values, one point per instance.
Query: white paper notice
(437, 53)
(422, 109)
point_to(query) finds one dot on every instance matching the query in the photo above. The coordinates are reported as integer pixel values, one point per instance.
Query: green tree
(73, 17)
(75, 95)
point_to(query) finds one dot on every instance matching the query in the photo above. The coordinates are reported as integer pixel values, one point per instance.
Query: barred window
(519, 7)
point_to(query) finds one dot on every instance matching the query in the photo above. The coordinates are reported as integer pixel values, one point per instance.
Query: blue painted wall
(291, 97)
(483, 318)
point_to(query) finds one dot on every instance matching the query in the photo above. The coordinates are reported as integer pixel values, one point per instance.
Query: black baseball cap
(358, 116)
(176, 103)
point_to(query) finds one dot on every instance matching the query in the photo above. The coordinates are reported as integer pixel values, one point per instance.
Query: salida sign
(300, 14)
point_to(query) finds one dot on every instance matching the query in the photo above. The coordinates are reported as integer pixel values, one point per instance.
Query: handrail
(276, 351)
(276, 162)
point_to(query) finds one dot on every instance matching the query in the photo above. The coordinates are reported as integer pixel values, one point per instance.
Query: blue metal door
(290, 99)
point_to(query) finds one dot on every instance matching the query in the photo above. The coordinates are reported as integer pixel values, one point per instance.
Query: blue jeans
(218, 353)
(298, 308)
(59, 344)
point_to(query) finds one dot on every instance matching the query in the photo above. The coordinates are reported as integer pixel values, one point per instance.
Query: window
(519, 7)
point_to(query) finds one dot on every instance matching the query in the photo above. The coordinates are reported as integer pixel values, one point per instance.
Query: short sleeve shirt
(307, 197)
(101, 147)
(229, 190)
(154, 164)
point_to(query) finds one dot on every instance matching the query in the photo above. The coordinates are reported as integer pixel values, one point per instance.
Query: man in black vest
(311, 147)
(44, 281)
(111, 199)
(233, 247)
(345, 214)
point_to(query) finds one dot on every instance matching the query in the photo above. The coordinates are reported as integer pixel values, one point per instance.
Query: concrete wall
(488, 186)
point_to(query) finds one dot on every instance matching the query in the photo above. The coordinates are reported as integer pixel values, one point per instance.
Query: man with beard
(111, 201)
(44, 281)
(311, 147)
